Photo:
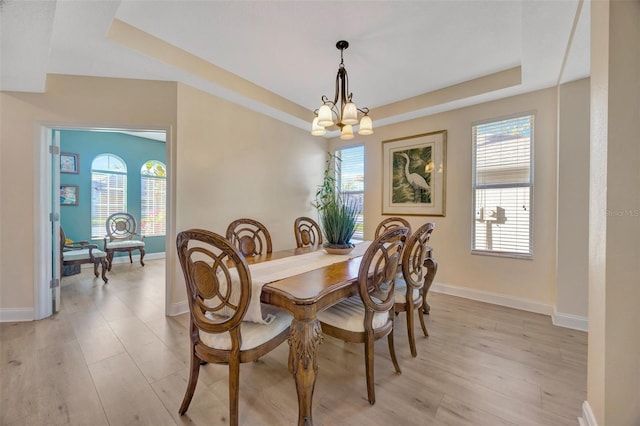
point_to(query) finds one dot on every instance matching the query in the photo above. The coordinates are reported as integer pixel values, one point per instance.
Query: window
(108, 191)
(350, 180)
(503, 187)
(153, 199)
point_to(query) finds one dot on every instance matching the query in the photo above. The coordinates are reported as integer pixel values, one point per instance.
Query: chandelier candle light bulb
(344, 115)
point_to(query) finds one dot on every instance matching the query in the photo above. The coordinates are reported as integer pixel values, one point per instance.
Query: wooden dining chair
(391, 222)
(307, 232)
(418, 271)
(369, 315)
(249, 236)
(218, 290)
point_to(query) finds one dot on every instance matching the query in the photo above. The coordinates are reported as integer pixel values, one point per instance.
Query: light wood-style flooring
(110, 356)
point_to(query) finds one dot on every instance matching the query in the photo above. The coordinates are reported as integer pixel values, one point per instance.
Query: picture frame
(414, 175)
(69, 163)
(68, 195)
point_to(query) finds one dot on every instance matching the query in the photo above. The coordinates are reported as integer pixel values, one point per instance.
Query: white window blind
(153, 201)
(108, 191)
(350, 180)
(503, 187)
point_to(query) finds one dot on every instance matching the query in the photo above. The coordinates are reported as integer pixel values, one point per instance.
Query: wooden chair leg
(392, 352)
(422, 323)
(410, 331)
(96, 262)
(142, 256)
(234, 390)
(103, 262)
(193, 380)
(426, 308)
(110, 259)
(368, 360)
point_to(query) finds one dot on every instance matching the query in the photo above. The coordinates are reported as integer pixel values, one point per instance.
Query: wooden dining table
(304, 295)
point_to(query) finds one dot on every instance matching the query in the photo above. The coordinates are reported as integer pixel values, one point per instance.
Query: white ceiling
(399, 49)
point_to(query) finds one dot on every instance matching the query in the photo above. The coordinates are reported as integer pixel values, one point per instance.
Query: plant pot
(339, 249)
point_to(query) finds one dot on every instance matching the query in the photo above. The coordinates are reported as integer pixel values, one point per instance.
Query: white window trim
(337, 152)
(152, 177)
(123, 173)
(530, 184)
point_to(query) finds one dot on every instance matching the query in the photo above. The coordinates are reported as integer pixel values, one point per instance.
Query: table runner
(274, 270)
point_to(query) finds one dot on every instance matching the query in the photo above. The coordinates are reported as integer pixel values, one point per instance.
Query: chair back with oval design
(217, 302)
(369, 316)
(122, 236)
(378, 270)
(218, 284)
(418, 271)
(250, 237)
(391, 222)
(415, 253)
(307, 232)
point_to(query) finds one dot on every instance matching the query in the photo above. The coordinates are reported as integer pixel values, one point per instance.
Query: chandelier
(344, 115)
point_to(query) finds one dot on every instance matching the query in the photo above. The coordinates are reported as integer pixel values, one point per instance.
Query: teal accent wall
(135, 151)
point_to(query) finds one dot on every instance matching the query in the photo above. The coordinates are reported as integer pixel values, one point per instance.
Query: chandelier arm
(344, 83)
(346, 92)
(337, 91)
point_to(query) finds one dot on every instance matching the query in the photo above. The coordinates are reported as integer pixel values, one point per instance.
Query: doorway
(47, 222)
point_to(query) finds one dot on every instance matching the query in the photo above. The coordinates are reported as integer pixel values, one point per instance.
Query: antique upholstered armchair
(79, 252)
(122, 236)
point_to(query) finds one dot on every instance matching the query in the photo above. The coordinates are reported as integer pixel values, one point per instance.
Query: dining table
(304, 288)
(303, 295)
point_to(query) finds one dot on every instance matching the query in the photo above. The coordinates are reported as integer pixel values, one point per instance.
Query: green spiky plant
(337, 214)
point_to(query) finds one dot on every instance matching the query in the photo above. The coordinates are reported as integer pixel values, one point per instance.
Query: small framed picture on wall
(68, 195)
(69, 163)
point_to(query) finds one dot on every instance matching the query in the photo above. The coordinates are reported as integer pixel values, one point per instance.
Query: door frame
(42, 190)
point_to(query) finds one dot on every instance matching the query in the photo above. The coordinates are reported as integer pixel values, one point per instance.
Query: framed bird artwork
(413, 173)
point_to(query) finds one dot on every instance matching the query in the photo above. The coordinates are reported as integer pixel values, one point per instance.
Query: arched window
(153, 198)
(108, 191)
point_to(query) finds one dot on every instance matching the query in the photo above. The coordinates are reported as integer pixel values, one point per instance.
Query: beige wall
(228, 161)
(613, 388)
(235, 163)
(71, 101)
(531, 280)
(573, 198)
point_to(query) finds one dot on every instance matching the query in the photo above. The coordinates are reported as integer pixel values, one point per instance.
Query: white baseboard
(587, 419)
(495, 298)
(16, 314)
(570, 321)
(125, 259)
(178, 308)
(558, 318)
(136, 258)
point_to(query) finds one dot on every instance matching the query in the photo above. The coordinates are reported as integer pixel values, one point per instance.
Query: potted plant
(338, 214)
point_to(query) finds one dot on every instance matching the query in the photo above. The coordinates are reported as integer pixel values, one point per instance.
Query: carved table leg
(304, 340)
